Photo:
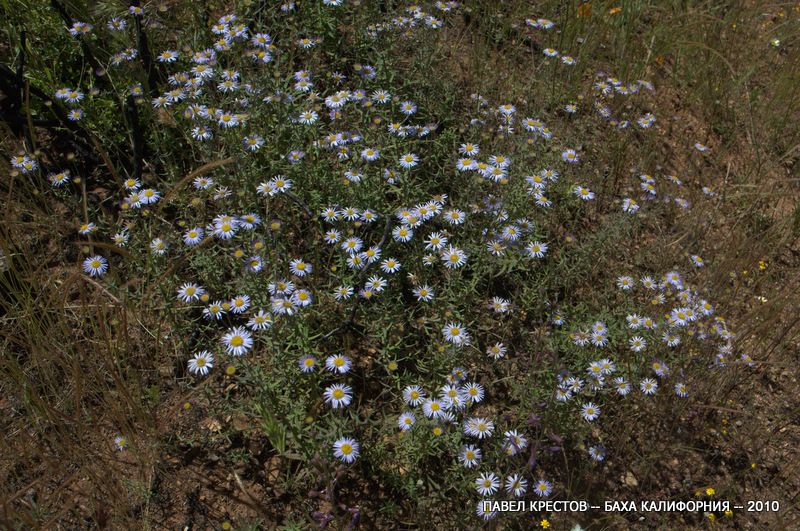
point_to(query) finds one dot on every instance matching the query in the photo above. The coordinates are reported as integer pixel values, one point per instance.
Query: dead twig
(99, 286)
(205, 168)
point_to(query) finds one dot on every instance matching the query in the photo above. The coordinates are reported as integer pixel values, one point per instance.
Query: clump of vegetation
(350, 263)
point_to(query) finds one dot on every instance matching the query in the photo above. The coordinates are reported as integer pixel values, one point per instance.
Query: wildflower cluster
(333, 225)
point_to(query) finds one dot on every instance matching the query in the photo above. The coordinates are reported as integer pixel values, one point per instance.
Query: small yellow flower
(230, 370)
(710, 491)
(712, 516)
(729, 513)
(544, 524)
(226, 525)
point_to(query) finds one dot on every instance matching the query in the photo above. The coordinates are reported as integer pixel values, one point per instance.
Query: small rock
(630, 480)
